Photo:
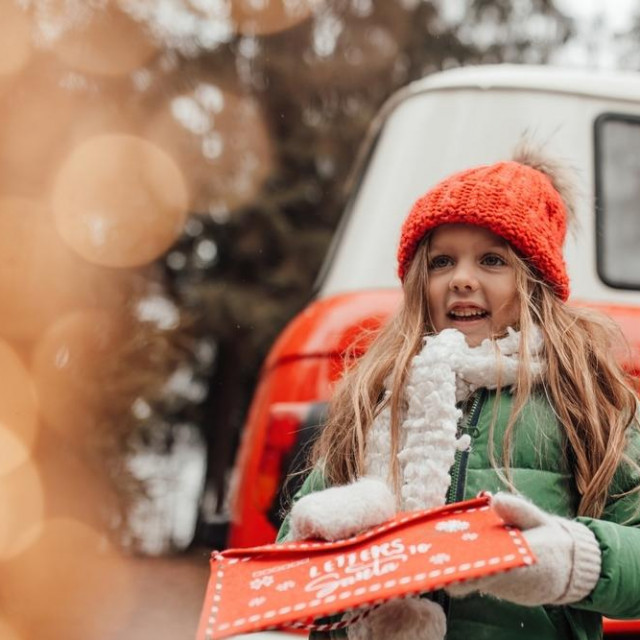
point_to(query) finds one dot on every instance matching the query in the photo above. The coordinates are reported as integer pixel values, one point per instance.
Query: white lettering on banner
(348, 569)
(280, 567)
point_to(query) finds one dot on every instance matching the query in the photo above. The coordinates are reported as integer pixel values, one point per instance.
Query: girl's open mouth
(467, 315)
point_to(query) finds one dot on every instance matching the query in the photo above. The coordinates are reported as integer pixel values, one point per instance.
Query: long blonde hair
(587, 388)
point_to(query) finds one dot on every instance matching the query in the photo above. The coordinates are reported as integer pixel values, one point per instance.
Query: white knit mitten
(567, 552)
(343, 511)
(401, 619)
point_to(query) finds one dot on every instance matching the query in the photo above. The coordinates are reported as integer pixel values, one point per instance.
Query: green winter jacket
(541, 471)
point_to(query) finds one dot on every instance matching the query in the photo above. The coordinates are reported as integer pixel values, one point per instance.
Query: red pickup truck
(433, 127)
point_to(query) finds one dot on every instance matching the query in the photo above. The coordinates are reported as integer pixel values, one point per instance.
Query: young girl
(486, 380)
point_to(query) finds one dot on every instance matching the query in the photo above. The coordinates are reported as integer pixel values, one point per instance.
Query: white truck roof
(619, 85)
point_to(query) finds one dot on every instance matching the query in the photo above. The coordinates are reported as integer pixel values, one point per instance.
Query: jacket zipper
(459, 470)
(459, 473)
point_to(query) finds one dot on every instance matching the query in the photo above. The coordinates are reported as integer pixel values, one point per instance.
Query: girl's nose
(463, 279)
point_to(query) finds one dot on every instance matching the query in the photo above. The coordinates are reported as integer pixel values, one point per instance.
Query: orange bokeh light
(33, 103)
(21, 509)
(18, 410)
(223, 140)
(7, 632)
(75, 482)
(119, 201)
(264, 17)
(40, 277)
(66, 366)
(44, 115)
(15, 38)
(13, 451)
(110, 43)
(69, 584)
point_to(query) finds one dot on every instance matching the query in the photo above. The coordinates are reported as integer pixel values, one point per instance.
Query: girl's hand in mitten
(340, 512)
(568, 555)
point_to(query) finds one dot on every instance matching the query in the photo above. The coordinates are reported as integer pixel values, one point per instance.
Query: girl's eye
(493, 260)
(439, 262)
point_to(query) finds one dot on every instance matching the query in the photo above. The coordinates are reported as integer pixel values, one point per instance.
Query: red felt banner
(292, 584)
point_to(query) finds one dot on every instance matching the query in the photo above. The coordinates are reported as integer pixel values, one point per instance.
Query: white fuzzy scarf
(445, 372)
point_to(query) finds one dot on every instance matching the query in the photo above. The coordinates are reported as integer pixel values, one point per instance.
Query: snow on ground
(165, 520)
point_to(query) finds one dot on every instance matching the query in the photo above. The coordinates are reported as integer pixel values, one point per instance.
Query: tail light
(285, 421)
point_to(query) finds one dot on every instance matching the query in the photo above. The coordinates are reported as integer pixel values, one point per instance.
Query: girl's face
(471, 284)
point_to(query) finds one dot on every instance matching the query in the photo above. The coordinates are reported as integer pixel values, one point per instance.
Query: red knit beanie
(513, 200)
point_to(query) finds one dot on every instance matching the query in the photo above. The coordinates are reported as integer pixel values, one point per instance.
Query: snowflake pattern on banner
(258, 583)
(452, 526)
(285, 586)
(440, 558)
(256, 602)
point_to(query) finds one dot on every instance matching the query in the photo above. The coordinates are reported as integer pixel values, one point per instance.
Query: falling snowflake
(451, 526)
(54, 18)
(440, 558)
(256, 602)
(258, 583)
(158, 310)
(467, 537)
(285, 586)
(184, 25)
(184, 384)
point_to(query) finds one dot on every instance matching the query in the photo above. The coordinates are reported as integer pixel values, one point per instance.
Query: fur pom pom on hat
(524, 201)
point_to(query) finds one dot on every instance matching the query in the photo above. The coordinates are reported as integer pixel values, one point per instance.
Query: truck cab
(436, 126)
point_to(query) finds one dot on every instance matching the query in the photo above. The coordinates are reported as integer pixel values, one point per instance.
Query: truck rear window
(617, 164)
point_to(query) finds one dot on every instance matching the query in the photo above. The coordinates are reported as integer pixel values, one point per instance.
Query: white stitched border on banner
(215, 607)
(305, 546)
(373, 588)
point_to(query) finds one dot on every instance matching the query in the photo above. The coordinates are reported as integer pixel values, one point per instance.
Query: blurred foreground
(169, 595)
(150, 598)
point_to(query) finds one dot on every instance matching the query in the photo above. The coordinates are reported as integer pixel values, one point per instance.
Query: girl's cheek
(514, 315)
